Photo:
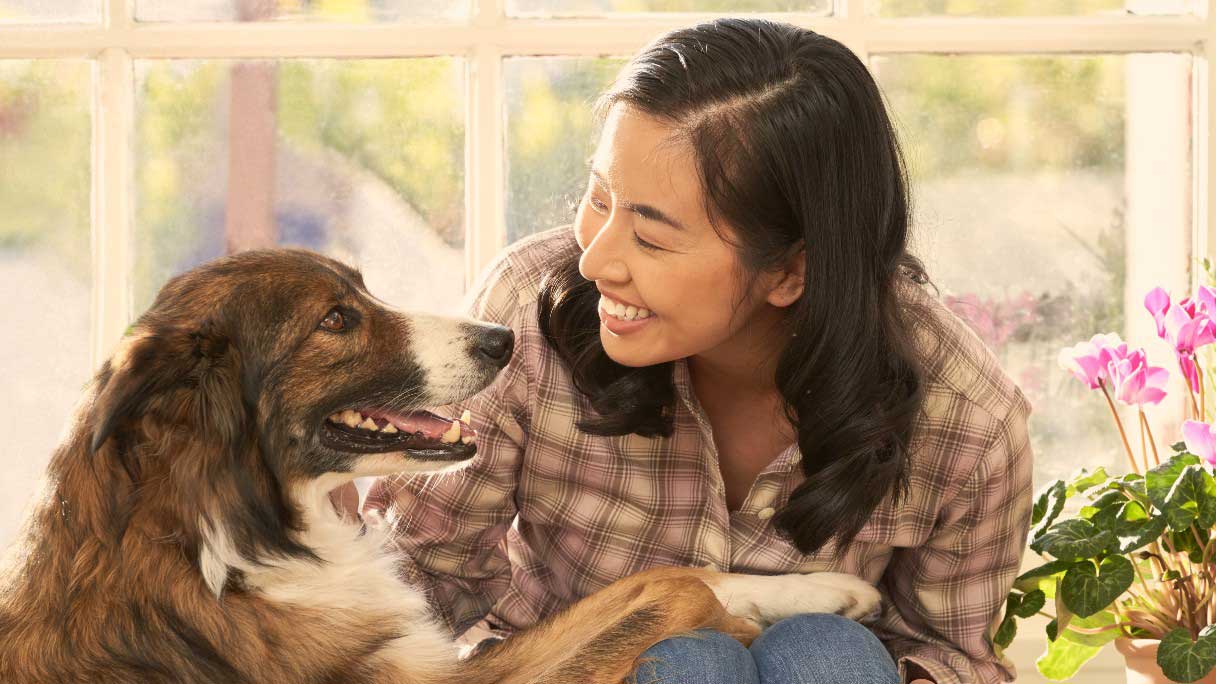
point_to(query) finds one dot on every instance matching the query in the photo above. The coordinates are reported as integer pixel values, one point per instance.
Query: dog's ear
(147, 364)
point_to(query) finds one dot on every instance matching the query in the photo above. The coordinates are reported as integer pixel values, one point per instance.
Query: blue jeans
(805, 649)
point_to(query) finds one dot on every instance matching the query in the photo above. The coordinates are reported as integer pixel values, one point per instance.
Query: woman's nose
(602, 254)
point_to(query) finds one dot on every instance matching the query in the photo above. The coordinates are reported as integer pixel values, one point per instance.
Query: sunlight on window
(44, 265)
(362, 160)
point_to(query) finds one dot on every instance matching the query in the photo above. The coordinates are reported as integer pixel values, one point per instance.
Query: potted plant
(1134, 563)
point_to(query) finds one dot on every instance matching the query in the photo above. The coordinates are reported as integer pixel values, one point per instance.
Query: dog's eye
(334, 321)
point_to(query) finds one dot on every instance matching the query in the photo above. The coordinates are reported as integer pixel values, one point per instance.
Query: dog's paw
(856, 598)
(768, 599)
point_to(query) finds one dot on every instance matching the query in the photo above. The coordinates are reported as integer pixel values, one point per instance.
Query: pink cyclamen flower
(1090, 361)
(1200, 440)
(1135, 382)
(1187, 325)
(1157, 301)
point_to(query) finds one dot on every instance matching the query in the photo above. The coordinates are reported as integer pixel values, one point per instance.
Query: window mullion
(1205, 142)
(485, 166)
(112, 199)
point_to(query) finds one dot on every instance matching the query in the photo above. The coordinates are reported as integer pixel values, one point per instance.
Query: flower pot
(1142, 668)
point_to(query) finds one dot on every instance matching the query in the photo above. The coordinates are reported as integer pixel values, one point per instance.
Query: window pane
(45, 140)
(1051, 194)
(549, 137)
(599, 7)
(362, 160)
(49, 11)
(1030, 8)
(356, 11)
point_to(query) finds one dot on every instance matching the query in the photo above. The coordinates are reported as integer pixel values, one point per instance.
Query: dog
(184, 532)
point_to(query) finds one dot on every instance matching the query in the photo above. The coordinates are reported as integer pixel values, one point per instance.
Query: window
(1059, 152)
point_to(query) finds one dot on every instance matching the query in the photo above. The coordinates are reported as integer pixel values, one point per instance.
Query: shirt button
(766, 513)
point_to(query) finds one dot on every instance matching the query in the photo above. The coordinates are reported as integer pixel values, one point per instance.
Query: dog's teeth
(336, 418)
(369, 424)
(466, 416)
(453, 433)
(389, 429)
(351, 418)
(466, 439)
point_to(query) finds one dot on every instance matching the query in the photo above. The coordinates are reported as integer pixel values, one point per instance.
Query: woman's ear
(789, 280)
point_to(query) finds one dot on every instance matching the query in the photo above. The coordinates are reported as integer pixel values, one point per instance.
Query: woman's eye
(597, 205)
(334, 321)
(646, 245)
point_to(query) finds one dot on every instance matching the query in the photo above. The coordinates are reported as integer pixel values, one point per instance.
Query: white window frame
(483, 41)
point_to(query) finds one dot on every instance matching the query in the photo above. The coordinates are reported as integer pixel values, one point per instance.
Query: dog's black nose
(495, 343)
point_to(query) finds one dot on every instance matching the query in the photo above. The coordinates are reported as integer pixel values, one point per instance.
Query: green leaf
(1063, 658)
(1083, 480)
(1005, 633)
(1042, 577)
(1096, 621)
(1130, 524)
(1087, 589)
(1109, 501)
(1160, 480)
(1053, 630)
(1032, 603)
(1184, 660)
(1073, 539)
(1064, 616)
(1192, 499)
(1047, 505)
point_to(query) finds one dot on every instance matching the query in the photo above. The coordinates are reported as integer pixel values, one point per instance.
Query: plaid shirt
(546, 514)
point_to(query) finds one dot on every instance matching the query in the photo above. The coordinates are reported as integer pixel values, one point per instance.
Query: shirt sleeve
(452, 526)
(945, 595)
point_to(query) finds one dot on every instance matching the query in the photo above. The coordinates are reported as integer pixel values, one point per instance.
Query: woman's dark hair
(794, 147)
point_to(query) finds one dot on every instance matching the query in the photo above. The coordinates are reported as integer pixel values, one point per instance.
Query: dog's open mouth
(421, 433)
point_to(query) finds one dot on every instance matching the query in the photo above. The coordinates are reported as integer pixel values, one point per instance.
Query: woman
(730, 360)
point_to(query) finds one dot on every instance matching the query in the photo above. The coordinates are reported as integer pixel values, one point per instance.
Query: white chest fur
(356, 573)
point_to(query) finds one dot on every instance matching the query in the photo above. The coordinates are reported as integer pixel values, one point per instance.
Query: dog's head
(285, 352)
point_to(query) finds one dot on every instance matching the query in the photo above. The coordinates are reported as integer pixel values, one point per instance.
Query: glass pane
(362, 160)
(1050, 193)
(353, 11)
(1030, 8)
(549, 136)
(598, 7)
(45, 141)
(49, 11)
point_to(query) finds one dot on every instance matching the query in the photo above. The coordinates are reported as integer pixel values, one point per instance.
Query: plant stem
(1143, 445)
(1203, 409)
(1191, 390)
(1152, 442)
(1122, 433)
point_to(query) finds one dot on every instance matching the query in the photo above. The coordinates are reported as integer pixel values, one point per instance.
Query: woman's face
(669, 285)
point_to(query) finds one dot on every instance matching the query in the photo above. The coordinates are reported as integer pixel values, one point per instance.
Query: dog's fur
(184, 532)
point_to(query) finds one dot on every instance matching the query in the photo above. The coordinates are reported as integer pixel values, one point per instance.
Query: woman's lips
(618, 326)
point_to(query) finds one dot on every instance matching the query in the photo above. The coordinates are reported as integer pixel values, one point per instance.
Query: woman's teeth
(622, 311)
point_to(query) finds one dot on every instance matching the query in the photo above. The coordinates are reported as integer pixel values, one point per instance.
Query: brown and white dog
(184, 533)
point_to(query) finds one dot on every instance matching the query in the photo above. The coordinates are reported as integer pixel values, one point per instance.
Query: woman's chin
(627, 352)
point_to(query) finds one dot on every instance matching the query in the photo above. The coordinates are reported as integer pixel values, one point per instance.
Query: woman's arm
(945, 594)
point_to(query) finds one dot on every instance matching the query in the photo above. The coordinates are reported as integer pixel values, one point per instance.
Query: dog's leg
(769, 598)
(598, 639)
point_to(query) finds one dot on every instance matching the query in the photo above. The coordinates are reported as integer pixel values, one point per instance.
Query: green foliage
(1185, 660)
(1092, 559)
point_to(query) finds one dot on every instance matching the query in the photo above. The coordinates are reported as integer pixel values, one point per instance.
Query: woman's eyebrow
(644, 210)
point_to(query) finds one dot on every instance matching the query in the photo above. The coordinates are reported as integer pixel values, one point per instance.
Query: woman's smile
(621, 318)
